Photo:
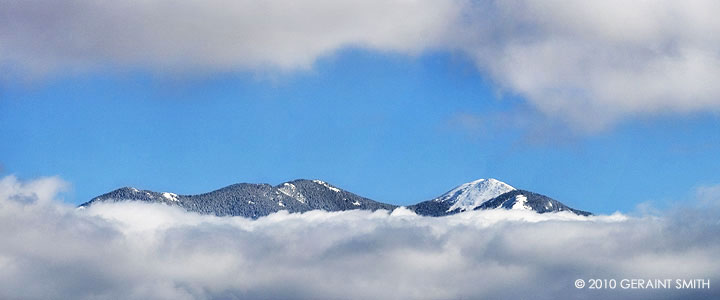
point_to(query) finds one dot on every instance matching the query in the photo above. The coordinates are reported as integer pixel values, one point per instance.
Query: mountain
(257, 200)
(524, 200)
(464, 197)
(253, 200)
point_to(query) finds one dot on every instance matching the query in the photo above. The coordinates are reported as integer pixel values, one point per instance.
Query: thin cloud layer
(589, 65)
(141, 251)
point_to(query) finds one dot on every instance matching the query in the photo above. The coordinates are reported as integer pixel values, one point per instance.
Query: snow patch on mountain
(330, 187)
(521, 203)
(469, 195)
(291, 190)
(170, 196)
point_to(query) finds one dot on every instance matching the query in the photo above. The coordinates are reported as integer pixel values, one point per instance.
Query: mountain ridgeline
(254, 200)
(257, 200)
(489, 194)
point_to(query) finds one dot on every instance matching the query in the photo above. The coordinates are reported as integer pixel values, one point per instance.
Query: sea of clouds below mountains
(52, 250)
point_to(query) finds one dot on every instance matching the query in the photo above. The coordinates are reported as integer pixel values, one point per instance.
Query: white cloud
(589, 65)
(41, 36)
(141, 251)
(592, 64)
(38, 191)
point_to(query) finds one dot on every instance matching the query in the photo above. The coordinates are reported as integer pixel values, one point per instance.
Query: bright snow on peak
(469, 195)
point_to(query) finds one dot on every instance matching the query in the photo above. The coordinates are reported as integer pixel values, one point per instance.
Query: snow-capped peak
(469, 195)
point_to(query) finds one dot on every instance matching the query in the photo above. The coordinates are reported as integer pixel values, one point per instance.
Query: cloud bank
(50, 250)
(589, 65)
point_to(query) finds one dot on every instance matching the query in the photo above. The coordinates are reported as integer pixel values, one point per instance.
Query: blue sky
(383, 126)
(395, 101)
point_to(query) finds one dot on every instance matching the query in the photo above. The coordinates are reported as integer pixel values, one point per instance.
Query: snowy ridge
(330, 187)
(253, 200)
(470, 195)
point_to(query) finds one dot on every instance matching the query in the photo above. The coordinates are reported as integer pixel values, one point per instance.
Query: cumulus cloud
(41, 35)
(589, 65)
(51, 250)
(38, 191)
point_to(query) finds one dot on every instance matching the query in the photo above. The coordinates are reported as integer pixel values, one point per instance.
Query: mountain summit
(257, 200)
(464, 197)
(489, 194)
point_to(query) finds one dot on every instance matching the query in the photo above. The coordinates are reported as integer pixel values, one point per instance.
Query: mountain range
(256, 200)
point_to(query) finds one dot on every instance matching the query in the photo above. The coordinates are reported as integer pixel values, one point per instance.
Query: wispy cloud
(588, 65)
(708, 195)
(141, 251)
